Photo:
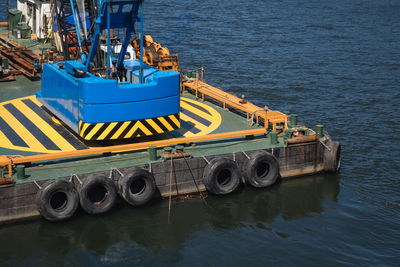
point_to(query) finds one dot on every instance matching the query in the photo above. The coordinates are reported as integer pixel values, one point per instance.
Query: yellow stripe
(29, 139)
(174, 119)
(120, 130)
(144, 129)
(197, 111)
(4, 141)
(33, 98)
(107, 130)
(154, 125)
(132, 130)
(93, 131)
(49, 131)
(198, 125)
(166, 124)
(85, 125)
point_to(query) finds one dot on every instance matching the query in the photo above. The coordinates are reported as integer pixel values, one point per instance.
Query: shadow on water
(147, 229)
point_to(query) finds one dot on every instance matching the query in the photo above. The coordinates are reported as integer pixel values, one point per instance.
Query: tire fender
(137, 187)
(97, 194)
(57, 200)
(261, 170)
(332, 157)
(221, 176)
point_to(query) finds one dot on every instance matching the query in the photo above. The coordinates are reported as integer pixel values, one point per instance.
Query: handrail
(6, 161)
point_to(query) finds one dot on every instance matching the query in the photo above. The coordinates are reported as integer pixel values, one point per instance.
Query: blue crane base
(104, 109)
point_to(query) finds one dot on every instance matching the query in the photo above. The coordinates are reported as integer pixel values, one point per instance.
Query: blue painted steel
(76, 22)
(73, 94)
(108, 44)
(93, 99)
(123, 16)
(141, 45)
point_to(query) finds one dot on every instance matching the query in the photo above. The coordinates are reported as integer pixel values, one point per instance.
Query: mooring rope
(194, 180)
(170, 191)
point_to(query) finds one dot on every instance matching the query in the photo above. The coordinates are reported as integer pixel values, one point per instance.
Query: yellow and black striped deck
(26, 126)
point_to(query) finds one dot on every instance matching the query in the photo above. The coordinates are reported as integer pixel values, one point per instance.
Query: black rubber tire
(57, 200)
(137, 187)
(261, 170)
(221, 176)
(332, 158)
(97, 194)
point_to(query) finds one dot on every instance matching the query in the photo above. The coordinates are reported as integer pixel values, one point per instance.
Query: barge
(61, 151)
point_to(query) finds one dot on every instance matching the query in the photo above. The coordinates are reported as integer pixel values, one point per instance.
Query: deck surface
(26, 128)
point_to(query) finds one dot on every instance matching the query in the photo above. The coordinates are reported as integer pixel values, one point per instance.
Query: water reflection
(145, 230)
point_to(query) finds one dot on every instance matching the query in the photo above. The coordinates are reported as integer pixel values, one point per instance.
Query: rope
(208, 162)
(327, 147)
(77, 178)
(170, 191)
(251, 119)
(37, 184)
(194, 180)
(115, 169)
(247, 156)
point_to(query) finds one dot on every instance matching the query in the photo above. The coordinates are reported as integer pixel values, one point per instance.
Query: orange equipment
(156, 55)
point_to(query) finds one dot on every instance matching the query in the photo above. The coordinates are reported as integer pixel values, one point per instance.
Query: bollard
(319, 130)
(179, 149)
(293, 120)
(167, 151)
(288, 133)
(274, 138)
(152, 153)
(20, 172)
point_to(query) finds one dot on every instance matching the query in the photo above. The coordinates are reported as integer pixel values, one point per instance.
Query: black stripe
(137, 132)
(67, 135)
(14, 138)
(80, 126)
(88, 129)
(158, 122)
(127, 129)
(171, 122)
(195, 117)
(114, 130)
(197, 106)
(100, 131)
(148, 126)
(189, 126)
(32, 128)
(176, 134)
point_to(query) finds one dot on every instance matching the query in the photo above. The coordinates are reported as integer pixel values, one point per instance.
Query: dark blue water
(331, 62)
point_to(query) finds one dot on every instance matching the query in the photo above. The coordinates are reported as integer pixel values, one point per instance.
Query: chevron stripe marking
(120, 130)
(166, 124)
(95, 129)
(107, 130)
(175, 119)
(154, 125)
